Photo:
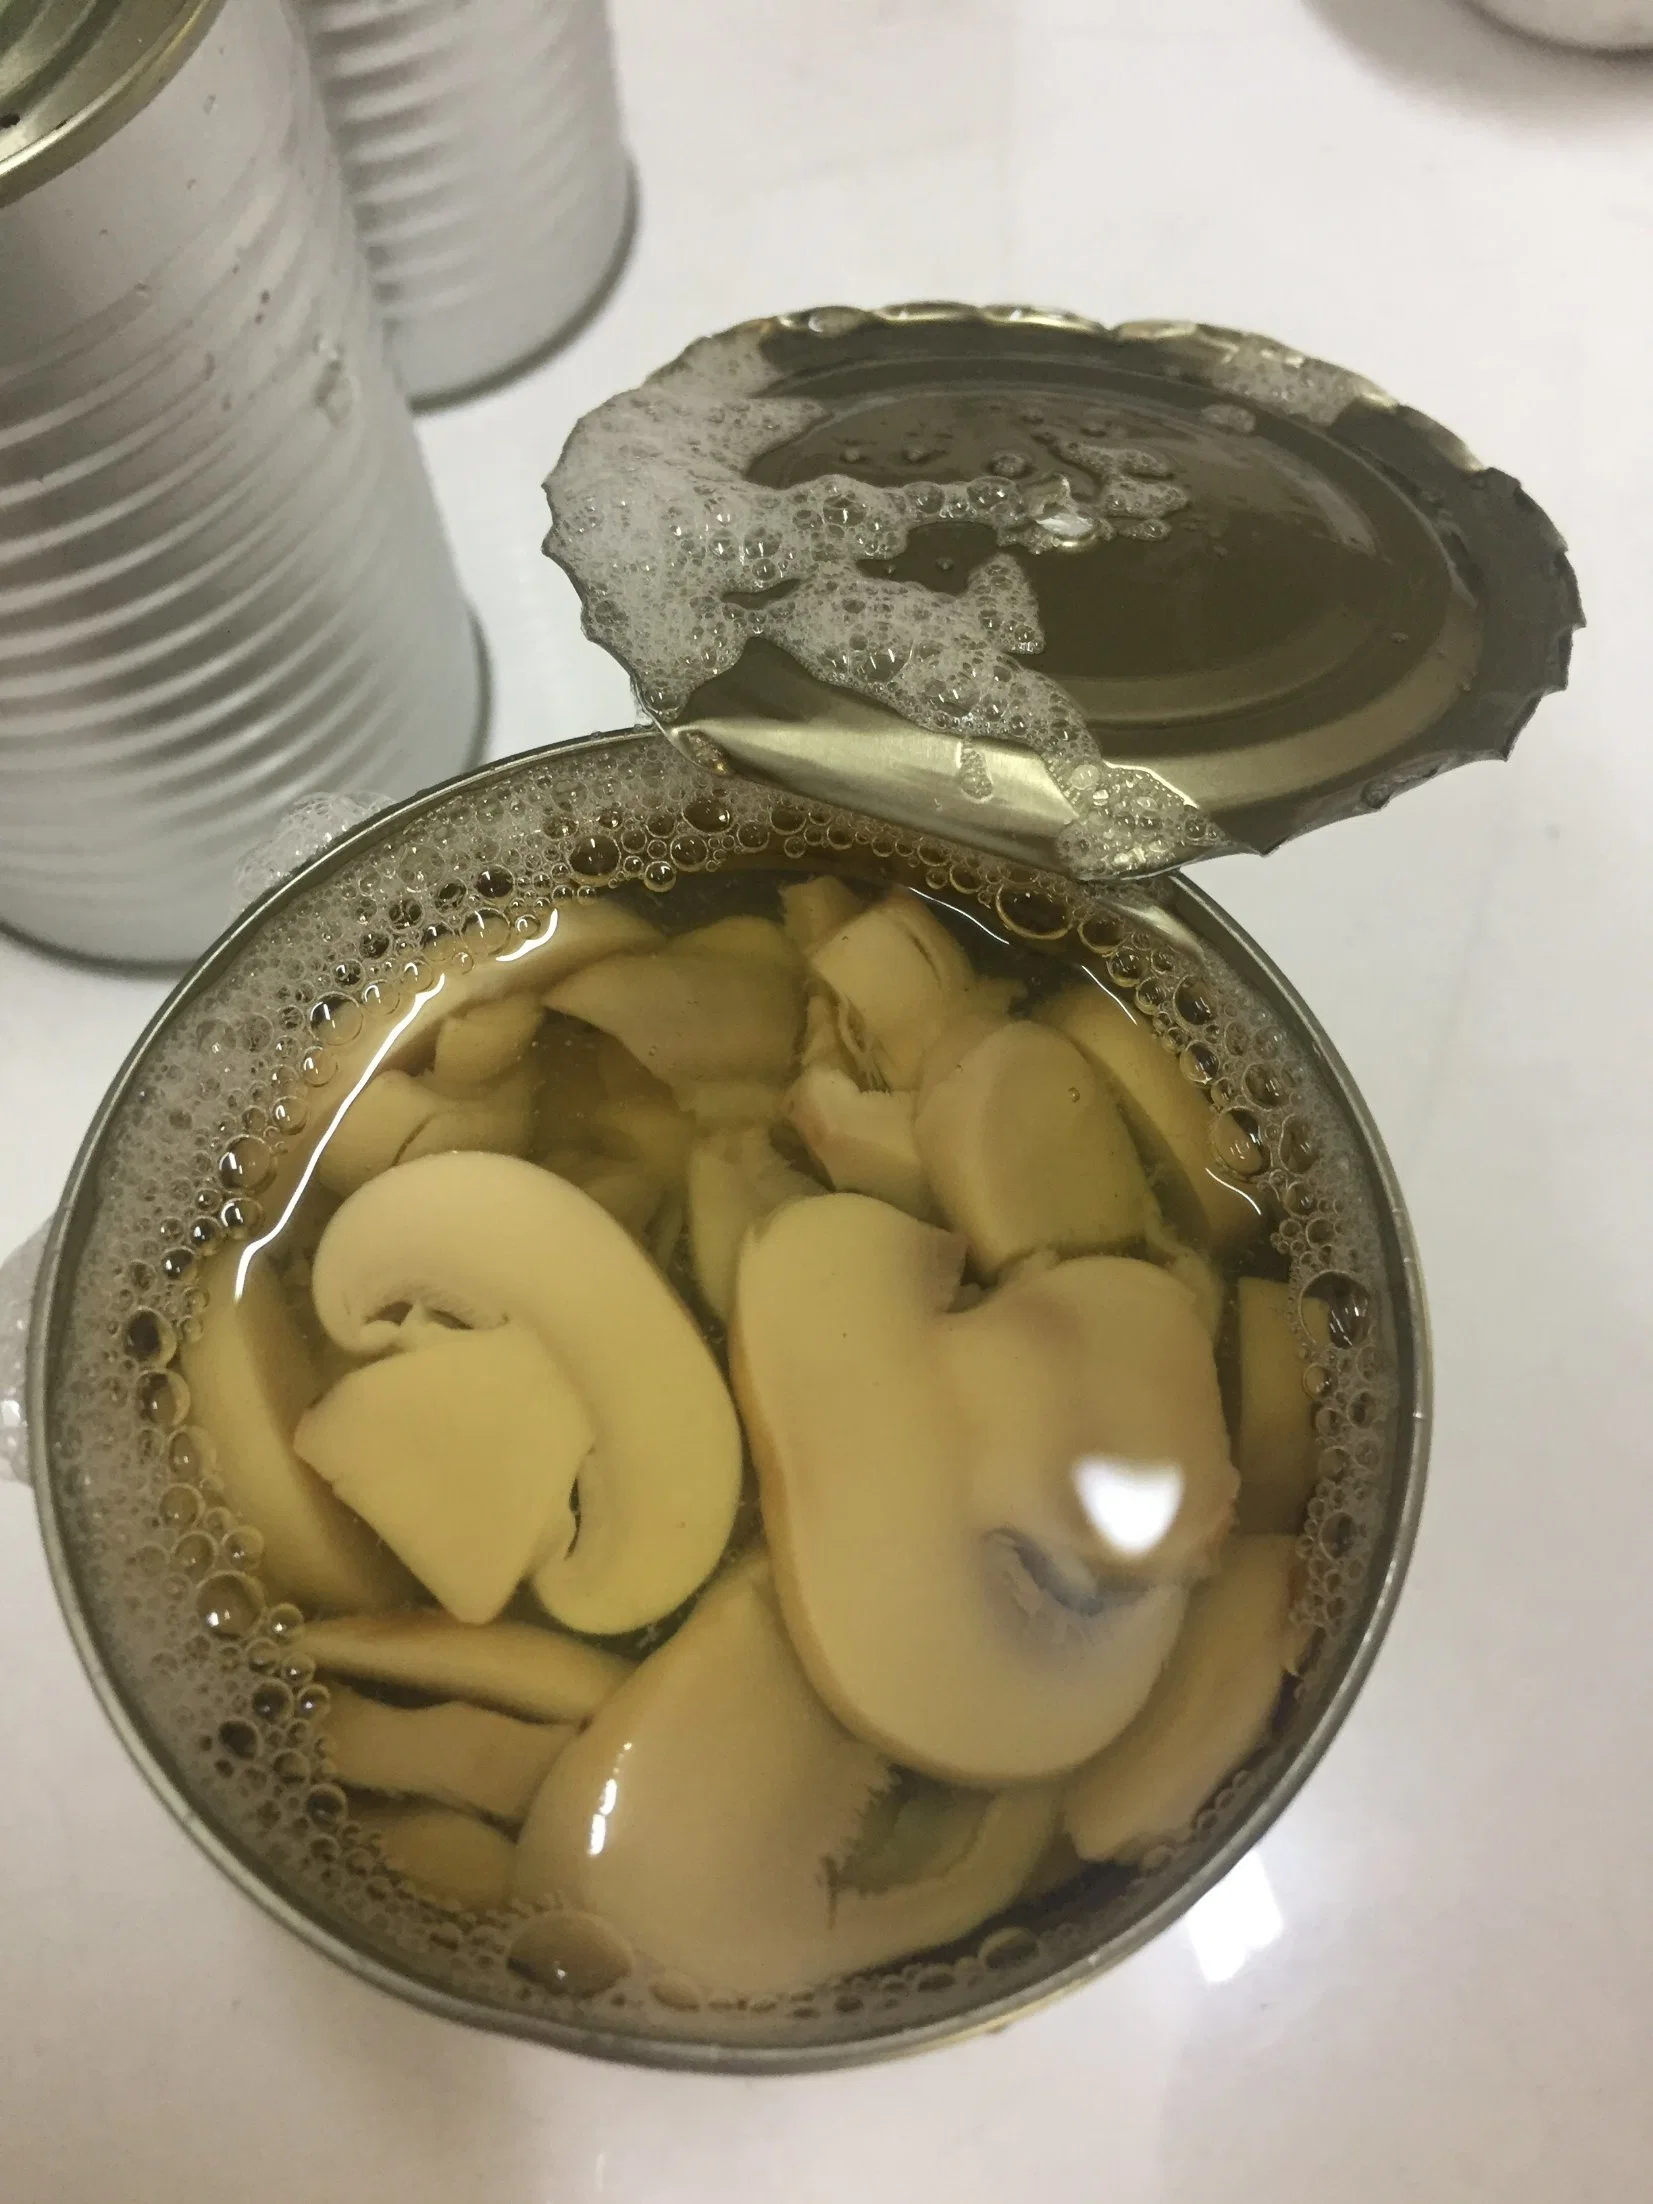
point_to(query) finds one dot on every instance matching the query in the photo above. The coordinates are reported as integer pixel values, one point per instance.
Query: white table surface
(1460, 1999)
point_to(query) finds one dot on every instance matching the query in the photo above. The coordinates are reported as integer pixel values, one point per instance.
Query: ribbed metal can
(483, 151)
(224, 583)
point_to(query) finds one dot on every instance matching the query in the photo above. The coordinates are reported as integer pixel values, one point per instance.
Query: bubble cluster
(681, 561)
(223, 1104)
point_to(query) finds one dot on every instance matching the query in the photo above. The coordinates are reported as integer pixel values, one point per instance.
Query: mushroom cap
(944, 1588)
(486, 1238)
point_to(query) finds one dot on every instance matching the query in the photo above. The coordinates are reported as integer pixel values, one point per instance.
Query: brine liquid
(233, 1095)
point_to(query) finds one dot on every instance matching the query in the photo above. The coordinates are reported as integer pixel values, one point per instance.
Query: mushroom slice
(742, 1863)
(1274, 1447)
(813, 910)
(1090, 1392)
(461, 1451)
(693, 1014)
(487, 1238)
(862, 1140)
(630, 1192)
(1170, 1119)
(479, 1044)
(900, 977)
(822, 1043)
(757, 940)
(251, 1377)
(370, 1135)
(455, 1755)
(456, 1859)
(1209, 1710)
(735, 1177)
(816, 909)
(397, 1117)
(947, 1591)
(1025, 1149)
(513, 1665)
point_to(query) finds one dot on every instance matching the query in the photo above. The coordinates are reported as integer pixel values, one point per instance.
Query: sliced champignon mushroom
(630, 1192)
(735, 1177)
(478, 1045)
(515, 1666)
(461, 1450)
(1090, 1393)
(714, 1814)
(456, 1859)
(1274, 1447)
(823, 1044)
(454, 1755)
(483, 1239)
(1208, 1712)
(1169, 1116)
(694, 1013)
(900, 979)
(862, 1139)
(812, 910)
(950, 1593)
(251, 1377)
(755, 940)
(398, 1117)
(1025, 1149)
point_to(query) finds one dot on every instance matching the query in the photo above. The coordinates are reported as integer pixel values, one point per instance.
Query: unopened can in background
(224, 584)
(482, 147)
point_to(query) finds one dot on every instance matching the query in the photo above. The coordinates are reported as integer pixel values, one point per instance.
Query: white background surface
(1461, 1999)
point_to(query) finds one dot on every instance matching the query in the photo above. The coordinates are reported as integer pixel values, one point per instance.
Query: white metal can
(483, 152)
(224, 583)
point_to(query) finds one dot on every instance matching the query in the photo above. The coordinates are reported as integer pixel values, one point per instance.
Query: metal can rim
(140, 47)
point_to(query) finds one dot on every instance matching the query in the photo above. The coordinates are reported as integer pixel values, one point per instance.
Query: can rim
(1211, 924)
(91, 80)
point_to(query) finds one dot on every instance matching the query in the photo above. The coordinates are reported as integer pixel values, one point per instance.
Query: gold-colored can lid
(1110, 599)
(72, 71)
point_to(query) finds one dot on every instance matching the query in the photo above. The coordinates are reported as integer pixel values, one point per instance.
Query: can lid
(1109, 599)
(72, 71)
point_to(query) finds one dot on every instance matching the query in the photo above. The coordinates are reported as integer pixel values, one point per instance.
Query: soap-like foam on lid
(681, 560)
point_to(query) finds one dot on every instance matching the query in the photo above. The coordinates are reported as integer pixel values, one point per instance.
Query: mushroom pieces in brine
(719, 1817)
(984, 1523)
(598, 1387)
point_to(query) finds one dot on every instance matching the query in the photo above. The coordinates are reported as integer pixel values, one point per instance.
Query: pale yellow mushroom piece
(453, 1857)
(735, 1177)
(483, 1239)
(1208, 1712)
(812, 910)
(1026, 1149)
(714, 1811)
(454, 1755)
(398, 1117)
(1274, 1447)
(753, 939)
(900, 979)
(630, 1192)
(461, 1448)
(694, 1014)
(251, 1377)
(478, 1045)
(1169, 1116)
(515, 1666)
(823, 1044)
(862, 1139)
(955, 1591)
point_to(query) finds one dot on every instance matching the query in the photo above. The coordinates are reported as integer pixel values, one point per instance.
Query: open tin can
(1219, 594)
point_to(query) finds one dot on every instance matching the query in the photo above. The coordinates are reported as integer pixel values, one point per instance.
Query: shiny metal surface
(1117, 1932)
(482, 150)
(1259, 585)
(72, 71)
(223, 581)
